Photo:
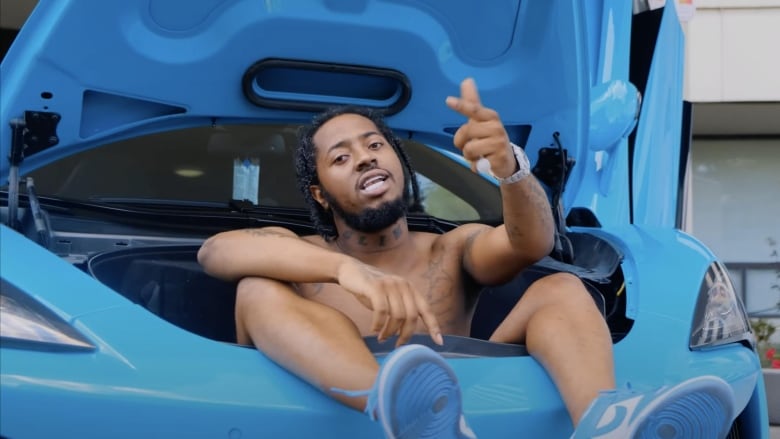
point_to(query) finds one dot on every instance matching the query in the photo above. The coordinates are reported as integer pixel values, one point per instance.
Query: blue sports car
(130, 131)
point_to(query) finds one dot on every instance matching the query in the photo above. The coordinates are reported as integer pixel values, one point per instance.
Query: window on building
(735, 193)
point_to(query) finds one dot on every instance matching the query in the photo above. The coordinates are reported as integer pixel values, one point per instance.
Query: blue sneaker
(699, 408)
(416, 395)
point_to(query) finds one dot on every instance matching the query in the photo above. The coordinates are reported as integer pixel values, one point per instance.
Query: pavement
(774, 432)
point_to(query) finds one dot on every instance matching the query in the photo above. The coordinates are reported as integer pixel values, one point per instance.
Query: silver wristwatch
(523, 165)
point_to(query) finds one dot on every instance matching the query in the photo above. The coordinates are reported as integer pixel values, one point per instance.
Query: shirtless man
(306, 302)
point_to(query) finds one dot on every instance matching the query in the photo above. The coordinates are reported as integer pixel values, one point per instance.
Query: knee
(255, 290)
(560, 288)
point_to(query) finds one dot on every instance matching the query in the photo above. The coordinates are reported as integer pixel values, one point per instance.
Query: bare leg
(316, 342)
(562, 328)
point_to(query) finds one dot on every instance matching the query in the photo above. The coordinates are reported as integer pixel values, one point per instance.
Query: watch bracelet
(524, 167)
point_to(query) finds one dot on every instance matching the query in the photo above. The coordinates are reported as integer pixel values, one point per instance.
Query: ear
(316, 193)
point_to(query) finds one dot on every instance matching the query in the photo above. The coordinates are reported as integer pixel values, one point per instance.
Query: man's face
(361, 177)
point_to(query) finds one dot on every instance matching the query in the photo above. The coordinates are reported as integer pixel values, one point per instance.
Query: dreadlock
(306, 167)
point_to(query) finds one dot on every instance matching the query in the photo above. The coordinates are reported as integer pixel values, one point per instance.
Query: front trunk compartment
(157, 268)
(168, 281)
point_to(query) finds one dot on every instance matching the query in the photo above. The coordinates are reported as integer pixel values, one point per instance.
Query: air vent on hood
(312, 86)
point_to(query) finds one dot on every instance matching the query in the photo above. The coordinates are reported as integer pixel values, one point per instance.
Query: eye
(375, 145)
(340, 159)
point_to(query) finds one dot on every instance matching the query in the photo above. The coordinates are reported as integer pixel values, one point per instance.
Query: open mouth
(373, 183)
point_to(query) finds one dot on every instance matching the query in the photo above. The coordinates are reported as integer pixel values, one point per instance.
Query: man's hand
(396, 305)
(483, 134)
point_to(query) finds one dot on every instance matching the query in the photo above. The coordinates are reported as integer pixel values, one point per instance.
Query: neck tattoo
(363, 240)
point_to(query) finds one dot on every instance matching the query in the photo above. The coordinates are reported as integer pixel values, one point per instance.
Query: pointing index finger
(468, 91)
(469, 104)
(429, 319)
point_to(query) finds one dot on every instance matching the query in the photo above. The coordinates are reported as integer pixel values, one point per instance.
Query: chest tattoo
(441, 282)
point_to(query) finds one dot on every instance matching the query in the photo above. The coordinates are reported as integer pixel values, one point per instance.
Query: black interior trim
(686, 136)
(455, 346)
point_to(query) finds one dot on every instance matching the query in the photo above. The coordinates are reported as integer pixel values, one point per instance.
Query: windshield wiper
(245, 208)
(156, 202)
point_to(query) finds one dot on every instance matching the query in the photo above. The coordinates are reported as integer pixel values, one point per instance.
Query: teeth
(372, 181)
(371, 186)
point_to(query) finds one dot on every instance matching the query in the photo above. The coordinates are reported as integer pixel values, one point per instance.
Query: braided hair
(306, 166)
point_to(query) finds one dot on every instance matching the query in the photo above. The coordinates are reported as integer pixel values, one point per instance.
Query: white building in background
(733, 78)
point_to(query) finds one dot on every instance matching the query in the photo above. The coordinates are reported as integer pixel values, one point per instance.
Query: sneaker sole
(700, 408)
(419, 381)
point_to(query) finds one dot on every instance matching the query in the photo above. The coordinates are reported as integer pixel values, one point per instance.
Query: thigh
(267, 308)
(559, 289)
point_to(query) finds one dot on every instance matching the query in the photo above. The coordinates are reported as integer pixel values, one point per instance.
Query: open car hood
(82, 74)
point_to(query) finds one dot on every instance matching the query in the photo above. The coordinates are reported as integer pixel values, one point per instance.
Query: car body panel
(182, 375)
(607, 164)
(656, 165)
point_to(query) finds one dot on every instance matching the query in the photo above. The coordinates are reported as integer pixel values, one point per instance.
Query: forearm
(528, 217)
(270, 252)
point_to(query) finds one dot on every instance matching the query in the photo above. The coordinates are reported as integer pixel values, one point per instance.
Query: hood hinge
(553, 169)
(33, 134)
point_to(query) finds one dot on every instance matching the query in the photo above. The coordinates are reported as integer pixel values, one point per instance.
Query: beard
(370, 219)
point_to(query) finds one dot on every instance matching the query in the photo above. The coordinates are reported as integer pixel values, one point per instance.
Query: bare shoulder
(454, 241)
(462, 235)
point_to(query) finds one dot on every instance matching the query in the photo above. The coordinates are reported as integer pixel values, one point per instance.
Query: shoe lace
(371, 401)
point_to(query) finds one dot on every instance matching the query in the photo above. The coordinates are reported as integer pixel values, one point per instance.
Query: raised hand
(396, 306)
(483, 133)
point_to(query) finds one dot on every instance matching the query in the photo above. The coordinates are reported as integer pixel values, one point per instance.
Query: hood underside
(84, 74)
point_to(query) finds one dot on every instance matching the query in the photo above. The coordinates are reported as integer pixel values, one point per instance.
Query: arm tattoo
(266, 232)
(541, 204)
(514, 230)
(537, 201)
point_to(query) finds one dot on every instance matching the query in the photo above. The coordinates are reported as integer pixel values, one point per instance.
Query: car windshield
(216, 164)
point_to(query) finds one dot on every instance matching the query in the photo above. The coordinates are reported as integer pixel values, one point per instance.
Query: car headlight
(26, 324)
(720, 317)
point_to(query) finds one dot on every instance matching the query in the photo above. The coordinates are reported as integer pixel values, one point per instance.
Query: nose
(365, 160)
